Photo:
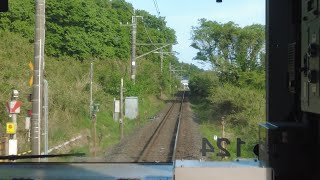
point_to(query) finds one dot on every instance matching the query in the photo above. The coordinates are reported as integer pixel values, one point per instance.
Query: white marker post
(13, 108)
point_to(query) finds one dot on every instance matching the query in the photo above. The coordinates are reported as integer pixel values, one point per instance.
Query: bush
(252, 79)
(201, 84)
(240, 106)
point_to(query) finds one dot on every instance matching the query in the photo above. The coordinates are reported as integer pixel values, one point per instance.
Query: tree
(153, 30)
(230, 48)
(201, 83)
(83, 29)
(250, 46)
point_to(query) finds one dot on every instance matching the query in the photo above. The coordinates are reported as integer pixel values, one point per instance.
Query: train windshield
(132, 81)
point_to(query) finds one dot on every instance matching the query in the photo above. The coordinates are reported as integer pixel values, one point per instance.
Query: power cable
(158, 12)
(147, 32)
(157, 7)
(124, 3)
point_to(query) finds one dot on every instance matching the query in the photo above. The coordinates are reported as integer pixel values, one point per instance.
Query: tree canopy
(230, 48)
(81, 29)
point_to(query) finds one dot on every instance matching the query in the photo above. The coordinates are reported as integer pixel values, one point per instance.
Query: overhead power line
(124, 3)
(157, 7)
(148, 44)
(149, 37)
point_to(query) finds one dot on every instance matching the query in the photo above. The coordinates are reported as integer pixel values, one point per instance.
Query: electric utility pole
(45, 117)
(161, 59)
(170, 77)
(161, 65)
(173, 70)
(133, 45)
(133, 48)
(121, 109)
(161, 56)
(91, 102)
(38, 78)
(177, 70)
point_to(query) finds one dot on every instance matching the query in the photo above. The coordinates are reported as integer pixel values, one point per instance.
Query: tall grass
(241, 108)
(69, 93)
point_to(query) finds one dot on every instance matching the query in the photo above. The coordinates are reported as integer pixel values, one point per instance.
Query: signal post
(13, 108)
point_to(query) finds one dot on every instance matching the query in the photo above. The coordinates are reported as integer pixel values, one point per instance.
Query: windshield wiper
(15, 157)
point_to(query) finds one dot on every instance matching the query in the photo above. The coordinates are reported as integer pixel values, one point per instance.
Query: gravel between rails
(189, 141)
(130, 147)
(162, 148)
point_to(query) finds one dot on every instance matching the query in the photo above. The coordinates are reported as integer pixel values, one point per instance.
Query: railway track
(161, 146)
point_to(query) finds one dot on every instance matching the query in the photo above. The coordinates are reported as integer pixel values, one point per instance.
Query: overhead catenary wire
(124, 3)
(157, 7)
(144, 24)
(145, 28)
(149, 37)
(158, 11)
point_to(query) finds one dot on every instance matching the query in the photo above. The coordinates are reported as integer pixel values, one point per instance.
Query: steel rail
(154, 136)
(177, 131)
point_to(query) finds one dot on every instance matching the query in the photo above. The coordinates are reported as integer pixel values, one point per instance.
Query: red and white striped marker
(13, 107)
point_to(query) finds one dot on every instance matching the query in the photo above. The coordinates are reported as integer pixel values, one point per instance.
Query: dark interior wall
(297, 159)
(281, 30)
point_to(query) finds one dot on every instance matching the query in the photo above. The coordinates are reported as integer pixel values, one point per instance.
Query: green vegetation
(242, 108)
(234, 90)
(79, 32)
(229, 48)
(84, 29)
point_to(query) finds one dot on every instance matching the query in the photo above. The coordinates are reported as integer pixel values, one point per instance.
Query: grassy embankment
(69, 93)
(243, 108)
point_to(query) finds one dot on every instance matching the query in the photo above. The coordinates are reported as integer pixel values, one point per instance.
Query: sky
(181, 15)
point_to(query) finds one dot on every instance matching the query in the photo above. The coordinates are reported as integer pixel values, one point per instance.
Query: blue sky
(181, 15)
